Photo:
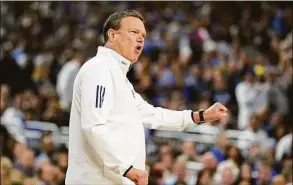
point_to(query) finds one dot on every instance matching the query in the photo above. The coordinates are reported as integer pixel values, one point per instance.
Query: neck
(116, 49)
(112, 46)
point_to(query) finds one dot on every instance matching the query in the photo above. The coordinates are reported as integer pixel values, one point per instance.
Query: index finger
(143, 179)
(146, 177)
(223, 108)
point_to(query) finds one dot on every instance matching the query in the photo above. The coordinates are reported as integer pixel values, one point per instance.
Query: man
(66, 78)
(251, 98)
(219, 149)
(106, 135)
(189, 152)
(25, 164)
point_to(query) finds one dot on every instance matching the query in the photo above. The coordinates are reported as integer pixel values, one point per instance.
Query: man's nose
(140, 39)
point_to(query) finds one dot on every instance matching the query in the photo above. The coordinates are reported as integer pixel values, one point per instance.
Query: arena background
(196, 53)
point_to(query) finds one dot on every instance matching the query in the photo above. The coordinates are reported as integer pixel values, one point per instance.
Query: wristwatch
(201, 118)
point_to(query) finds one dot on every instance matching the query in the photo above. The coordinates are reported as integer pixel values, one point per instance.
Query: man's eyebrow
(143, 33)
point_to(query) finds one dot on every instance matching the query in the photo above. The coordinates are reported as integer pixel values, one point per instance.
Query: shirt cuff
(125, 173)
(188, 118)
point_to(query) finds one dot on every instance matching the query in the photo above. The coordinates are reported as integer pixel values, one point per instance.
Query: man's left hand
(215, 112)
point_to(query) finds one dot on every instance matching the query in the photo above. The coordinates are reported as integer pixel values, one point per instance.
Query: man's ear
(111, 34)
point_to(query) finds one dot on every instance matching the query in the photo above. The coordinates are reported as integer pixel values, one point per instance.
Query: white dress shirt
(250, 98)
(106, 134)
(65, 82)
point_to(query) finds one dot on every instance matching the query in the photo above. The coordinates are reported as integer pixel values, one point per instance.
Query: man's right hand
(139, 177)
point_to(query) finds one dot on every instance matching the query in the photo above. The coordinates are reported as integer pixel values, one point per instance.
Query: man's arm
(96, 103)
(164, 119)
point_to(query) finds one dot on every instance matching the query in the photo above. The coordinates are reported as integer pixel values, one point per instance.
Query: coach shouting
(106, 135)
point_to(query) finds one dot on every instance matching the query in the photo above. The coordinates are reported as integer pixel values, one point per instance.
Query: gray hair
(114, 21)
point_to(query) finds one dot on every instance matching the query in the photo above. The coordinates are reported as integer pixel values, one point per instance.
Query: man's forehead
(133, 22)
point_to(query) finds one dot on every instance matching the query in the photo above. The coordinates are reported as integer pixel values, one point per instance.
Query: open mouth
(138, 48)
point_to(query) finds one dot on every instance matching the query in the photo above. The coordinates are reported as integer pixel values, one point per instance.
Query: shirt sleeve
(96, 103)
(163, 119)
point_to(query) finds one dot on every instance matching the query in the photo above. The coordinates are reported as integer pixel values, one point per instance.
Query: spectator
(246, 173)
(189, 152)
(13, 117)
(46, 175)
(26, 163)
(220, 147)
(264, 174)
(179, 173)
(204, 177)
(167, 163)
(254, 132)
(233, 162)
(62, 160)
(156, 175)
(47, 147)
(59, 176)
(209, 161)
(192, 82)
(276, 120)
(227, 178)
(66, 79)
(18, 150)
(233, 79)
(250, 98)
(276, 92)
(220, 93)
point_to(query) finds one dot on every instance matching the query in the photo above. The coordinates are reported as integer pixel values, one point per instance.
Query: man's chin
(134, 59)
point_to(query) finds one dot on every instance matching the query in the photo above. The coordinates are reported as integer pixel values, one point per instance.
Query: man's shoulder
(242, 85)
(97, 63)
(70, 66)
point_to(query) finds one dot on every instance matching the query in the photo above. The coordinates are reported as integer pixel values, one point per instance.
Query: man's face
(48, 174)
(249, 77)
(179, 169)
(48, 145)
(209, 161)
(222, 140)
(245, 172)
(189, 148)
(264, 174)
(254, 122)
(130, 38)
(27, 159)
(227, 177)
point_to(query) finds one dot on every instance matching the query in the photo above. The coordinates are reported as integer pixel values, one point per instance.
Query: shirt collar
(124, 63)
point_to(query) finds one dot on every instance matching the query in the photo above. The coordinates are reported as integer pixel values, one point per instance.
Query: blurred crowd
(195, 54)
